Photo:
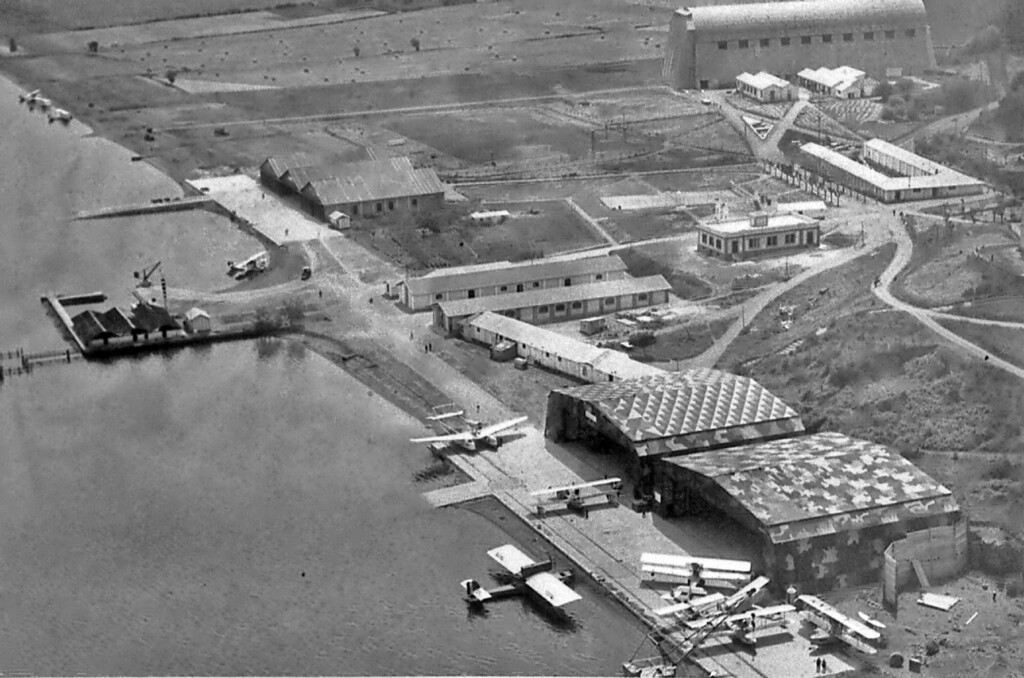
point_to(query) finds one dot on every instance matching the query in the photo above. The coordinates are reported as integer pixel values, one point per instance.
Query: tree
(960, 95)
(171, 75)
(355, 50)
(293, 312)
(884, 90)
(904, 86)
(415, 42)
(988, 39)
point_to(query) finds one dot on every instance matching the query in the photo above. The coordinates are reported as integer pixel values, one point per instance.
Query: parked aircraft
(477, 434)
(526, 573)
(834, 626)
(579, 495)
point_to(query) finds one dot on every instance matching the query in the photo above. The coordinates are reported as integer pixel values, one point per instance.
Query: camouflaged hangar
(825, 507)
(669, 414)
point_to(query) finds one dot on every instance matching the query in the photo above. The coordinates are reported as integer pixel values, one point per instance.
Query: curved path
(904, 251)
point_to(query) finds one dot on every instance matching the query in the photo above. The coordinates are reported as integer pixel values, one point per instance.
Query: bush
(642, 339)
(884, 90)
(1004, 469)
(1015, 588)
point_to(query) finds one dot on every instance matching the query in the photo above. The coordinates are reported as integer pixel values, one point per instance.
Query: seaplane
(833, 626)
(741, 626)
(59, 114)
(578, 496)
(254, 264)
(472, 437)
(527, 575)
(708, 604)
(705, 572)
(28, 96)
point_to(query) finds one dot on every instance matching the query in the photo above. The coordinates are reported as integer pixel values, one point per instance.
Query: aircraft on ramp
(473, 435)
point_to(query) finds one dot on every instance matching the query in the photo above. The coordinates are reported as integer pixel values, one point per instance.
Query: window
(718, 243)
(890, 35)
(642, 296)
(559, 308)
(503, 288)
(536, 285)
(735, 246)
(391, 205)
(380, 207)
(576, 305)
(599, 276)
(910, 32)
(519, 287)
(542, 309)
(784, 42)
(847, 37)
(704, 84)
(827, 38)
(472, 294)
(610, 301)
(790, 238)
(773, 240)
(438, 297)
(722, 44)
(567, 282)
(415, 202)
(753, 242)
(766, 42)
(805, 39)
(744, 44)
(355, 210)
(810, 238)
(870, 35)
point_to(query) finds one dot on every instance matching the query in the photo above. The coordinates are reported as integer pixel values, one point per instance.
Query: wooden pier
(165, 205)
(458, 494)
(58, 308)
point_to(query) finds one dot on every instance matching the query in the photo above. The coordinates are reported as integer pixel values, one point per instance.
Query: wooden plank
(919, 571)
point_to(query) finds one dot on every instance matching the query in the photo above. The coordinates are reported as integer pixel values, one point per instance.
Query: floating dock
(58, 308)
(81, 299)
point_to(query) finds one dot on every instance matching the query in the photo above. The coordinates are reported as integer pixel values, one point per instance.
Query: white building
(765, 87)
(759, 234)
(844, 82)
(197, 321)
(555, 351)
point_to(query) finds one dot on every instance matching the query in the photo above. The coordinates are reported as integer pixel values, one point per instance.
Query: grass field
(1010, 308)
(945, 270)
(1003, 342)
(685, 285)
(687, 341)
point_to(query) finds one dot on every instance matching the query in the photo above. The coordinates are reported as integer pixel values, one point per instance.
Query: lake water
(245, 508)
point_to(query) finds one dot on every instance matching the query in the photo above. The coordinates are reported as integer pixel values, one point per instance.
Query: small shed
(503, 351)
(197, 321)
(591, 326)
(339, 220)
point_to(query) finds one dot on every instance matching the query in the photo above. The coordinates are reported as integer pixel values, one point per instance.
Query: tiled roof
(810, 14)
(554, 295)
(510, 274)
(297, 177)
(820, 484)
(682, 403)
(373, 180)
(842, 77)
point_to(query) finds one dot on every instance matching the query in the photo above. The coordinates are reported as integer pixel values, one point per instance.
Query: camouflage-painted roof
(683, 403)
(807, 486)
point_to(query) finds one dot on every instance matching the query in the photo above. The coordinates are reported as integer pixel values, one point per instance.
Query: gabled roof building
(824, 506)
(671, 414)
(374, 188)
(485, 280)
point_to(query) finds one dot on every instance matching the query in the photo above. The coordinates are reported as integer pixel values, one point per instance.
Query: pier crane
(144, 276)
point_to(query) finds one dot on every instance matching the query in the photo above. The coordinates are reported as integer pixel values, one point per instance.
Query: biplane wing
(684, 572)
(694, 605)
(511, 558)
(550, 589)
(578, 486)
(715, 564)
(819, 607)
(452, 437)
(494, 429)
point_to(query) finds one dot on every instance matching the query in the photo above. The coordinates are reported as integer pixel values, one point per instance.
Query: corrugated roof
(621, 366)
(816, 15)
(842, 77)
(554, 295)
(511, 274)
(117, 322)
(681, 403)
(923, 165)
(150, 318)
(762, 80)
(373, 180)
(820, 484)
(887, 183)
(88, 326)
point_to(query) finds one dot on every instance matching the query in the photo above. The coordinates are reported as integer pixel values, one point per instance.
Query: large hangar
(825, 506)
(669, 414)
(709, 46)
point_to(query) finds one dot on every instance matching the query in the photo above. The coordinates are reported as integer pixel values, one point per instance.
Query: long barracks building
(709, 46)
